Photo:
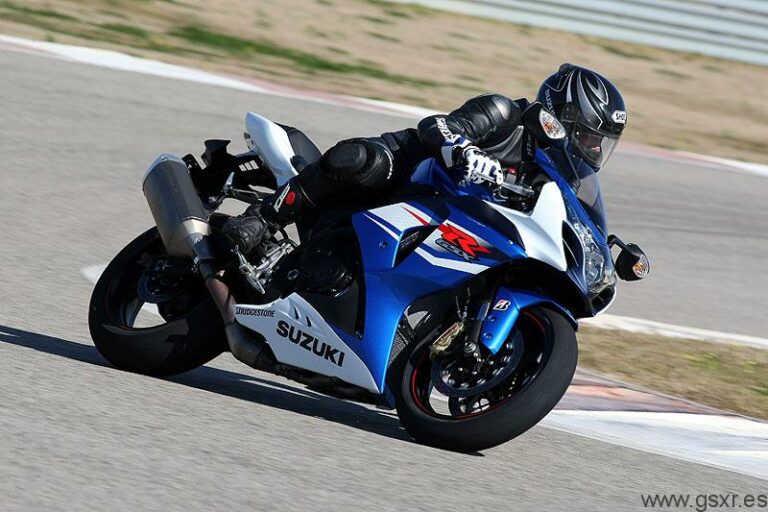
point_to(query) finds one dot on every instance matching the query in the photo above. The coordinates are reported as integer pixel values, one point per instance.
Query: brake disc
(461, 378)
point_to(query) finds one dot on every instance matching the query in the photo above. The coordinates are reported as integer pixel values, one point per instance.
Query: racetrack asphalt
(78, 435)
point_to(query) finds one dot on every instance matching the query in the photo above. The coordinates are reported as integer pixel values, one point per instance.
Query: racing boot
(245, 231)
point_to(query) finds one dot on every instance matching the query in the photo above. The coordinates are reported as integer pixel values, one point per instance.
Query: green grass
(627, 54)
(383, 37)
(725, 376)
(673, 74)
(376, 19)
(339, 51)
(125, 29)
(304, 60)
(42, 13)
(406, 11)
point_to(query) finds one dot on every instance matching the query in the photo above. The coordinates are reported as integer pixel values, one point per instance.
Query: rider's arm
(474, 123)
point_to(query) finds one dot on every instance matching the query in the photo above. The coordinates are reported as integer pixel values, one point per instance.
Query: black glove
(245, 231)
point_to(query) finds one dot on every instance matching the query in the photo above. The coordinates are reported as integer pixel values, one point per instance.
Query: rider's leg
(349, 170)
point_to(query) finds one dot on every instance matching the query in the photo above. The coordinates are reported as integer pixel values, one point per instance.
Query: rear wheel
(151, 314)
(466, 406)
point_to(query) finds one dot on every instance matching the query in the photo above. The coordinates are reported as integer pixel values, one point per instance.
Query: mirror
(632, 264)
(543, 125)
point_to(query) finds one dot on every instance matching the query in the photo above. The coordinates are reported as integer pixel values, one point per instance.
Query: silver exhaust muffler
(182, 222)
(179, 214)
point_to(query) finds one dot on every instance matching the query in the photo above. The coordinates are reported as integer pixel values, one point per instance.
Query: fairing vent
(411, 240)
(574, 252)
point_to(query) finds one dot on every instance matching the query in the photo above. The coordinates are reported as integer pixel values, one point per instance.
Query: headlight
(598, 266)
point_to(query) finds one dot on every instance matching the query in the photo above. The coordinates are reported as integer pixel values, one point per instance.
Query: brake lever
(520, 190)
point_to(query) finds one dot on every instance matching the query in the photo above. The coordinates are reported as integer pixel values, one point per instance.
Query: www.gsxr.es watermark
(705, 502)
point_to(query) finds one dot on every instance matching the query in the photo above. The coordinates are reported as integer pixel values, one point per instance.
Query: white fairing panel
(542, 230)
(271, 143)
(299, 336)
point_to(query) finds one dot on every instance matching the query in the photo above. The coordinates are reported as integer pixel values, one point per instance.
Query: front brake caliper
(445, 340)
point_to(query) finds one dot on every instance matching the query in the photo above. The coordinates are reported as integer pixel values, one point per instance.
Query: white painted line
(93, 272)
(641, 326)
(756, 169)
(123, 62)
(728, 442)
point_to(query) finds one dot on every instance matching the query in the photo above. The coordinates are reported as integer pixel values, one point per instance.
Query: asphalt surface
(76, 434)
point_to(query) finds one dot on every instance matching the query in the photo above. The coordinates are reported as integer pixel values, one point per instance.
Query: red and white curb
(123, 62)
(616, 413)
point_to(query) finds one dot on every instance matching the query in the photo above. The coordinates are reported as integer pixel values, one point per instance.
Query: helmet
(591, 109)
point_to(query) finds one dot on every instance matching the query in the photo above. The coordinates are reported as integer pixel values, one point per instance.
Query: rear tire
(187, 341)
(500, 422)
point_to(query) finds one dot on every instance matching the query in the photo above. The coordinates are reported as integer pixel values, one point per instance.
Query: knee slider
(360, 161)
(345, 160)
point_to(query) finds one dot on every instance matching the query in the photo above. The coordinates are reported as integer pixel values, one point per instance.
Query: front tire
(502, 414)
(189, 337)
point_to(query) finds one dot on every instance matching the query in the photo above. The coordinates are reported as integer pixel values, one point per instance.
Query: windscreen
(592, 199)
(584, 182)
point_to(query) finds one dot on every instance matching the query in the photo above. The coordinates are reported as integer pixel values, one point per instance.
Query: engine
(327, 264)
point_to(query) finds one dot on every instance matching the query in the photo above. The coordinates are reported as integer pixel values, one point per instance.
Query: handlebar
(520, 190)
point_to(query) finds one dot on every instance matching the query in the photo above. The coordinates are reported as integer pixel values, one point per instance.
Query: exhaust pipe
(179, 214)
(183, 225)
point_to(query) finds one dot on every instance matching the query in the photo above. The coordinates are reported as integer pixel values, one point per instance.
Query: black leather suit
(362, 170)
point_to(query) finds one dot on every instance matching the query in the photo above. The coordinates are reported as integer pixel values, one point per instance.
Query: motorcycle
(452, 302)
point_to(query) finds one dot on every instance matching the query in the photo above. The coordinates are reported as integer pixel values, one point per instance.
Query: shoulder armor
(498, 106)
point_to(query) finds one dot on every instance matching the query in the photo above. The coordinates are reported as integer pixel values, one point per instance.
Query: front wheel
(457, 405)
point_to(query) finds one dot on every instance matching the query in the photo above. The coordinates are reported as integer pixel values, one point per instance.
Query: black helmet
(591, 109)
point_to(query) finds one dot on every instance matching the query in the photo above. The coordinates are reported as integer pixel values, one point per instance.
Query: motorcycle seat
(305, 150)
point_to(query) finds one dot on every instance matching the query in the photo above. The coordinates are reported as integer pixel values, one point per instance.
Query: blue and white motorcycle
(456, 304)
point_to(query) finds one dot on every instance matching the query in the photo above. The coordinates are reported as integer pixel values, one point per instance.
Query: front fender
(505, 310)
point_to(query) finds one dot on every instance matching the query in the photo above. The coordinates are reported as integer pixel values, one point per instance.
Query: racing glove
(479, 167)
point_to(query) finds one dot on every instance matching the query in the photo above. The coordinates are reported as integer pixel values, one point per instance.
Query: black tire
(183, 343)
(502, 422)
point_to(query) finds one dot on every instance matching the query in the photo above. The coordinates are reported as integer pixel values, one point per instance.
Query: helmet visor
(596, 148)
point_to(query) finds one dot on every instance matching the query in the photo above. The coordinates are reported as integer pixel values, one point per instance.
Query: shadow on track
(236, 385)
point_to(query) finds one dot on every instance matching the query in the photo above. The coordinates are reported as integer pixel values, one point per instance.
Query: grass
(673, 74)
(125, 29)
(627, 54)
(41, 13)
(308, 61)
(728, 377)
(384, 37)
(376, 19)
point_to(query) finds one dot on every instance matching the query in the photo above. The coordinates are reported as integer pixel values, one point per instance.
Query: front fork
(497, 316)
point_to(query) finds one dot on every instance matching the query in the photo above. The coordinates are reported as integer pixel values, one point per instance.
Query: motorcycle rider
(479, 141)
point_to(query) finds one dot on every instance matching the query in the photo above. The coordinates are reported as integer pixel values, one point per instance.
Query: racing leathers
(478, 139)
(482, 136)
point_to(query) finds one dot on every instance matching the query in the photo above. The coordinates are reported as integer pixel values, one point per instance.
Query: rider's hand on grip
(478, 166)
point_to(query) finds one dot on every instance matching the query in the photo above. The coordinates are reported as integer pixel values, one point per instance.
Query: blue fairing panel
(431, 267)
(505, 310)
